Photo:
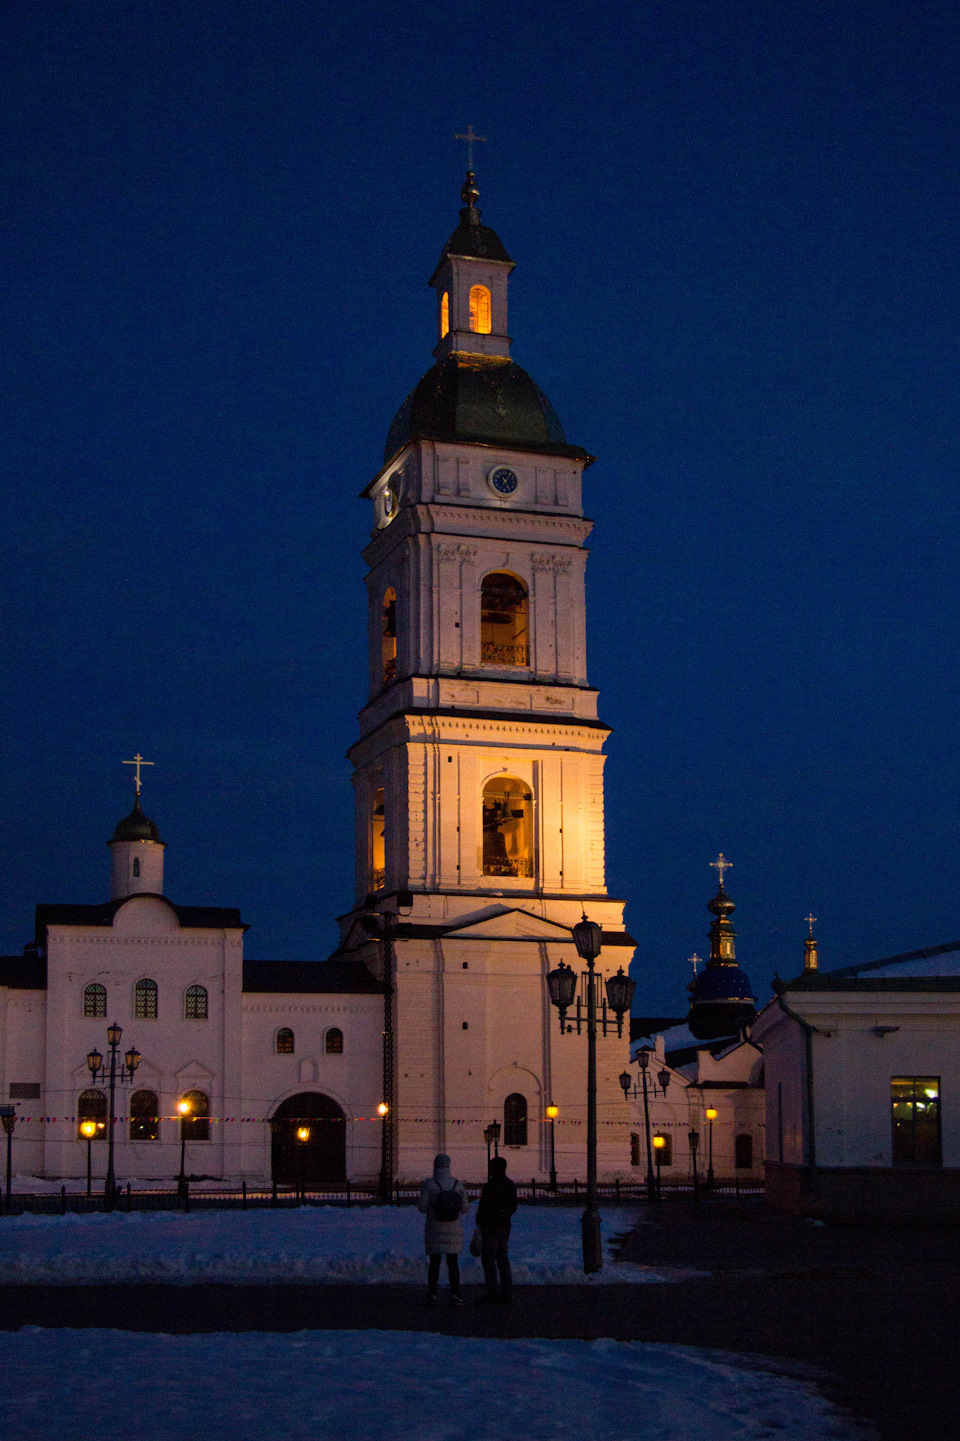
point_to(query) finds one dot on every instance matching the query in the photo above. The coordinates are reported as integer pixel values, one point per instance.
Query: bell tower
(478, 771)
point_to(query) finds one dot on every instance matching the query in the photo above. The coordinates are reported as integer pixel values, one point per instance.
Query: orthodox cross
(470, 138)
(138, 761)
(721, 864)
(810, 920)
(695, 961)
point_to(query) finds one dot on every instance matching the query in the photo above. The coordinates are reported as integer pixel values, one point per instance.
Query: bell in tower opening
(507, 828)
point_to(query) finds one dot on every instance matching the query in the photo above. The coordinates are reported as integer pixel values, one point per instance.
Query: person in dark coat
(443, 1237)
(498, 1201)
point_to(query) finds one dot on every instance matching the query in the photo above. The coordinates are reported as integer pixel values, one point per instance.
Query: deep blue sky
(735, 228)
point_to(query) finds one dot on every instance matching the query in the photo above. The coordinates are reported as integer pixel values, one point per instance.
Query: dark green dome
(136, 827)
(480, 398)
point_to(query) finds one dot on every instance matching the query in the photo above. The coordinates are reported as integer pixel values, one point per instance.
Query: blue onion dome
(722, 1002)
(136, 827)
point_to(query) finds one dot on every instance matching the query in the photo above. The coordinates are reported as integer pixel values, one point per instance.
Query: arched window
(503, 620)
(480, 309)
(665, 1152)
(515, 1120)
(507, 828)
(743, 1152)
(378, 843)
(136, 865)
(196, 1125)
(145, 1000)
(444, 315)
(388, 643)
(95, 1000)
(284, 1041)
(92, 1106)
(144, 1116)
(333, 1042)
(195, 1008)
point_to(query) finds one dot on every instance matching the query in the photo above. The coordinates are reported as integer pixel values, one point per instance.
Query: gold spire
(810, 947)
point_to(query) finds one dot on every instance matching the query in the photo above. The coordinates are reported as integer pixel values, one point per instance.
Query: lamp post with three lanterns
(562, 984)
(626, 1081)
(125, 1072)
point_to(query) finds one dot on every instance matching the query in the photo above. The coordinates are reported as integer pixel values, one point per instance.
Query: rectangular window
(634, 1149)
(915, 1108)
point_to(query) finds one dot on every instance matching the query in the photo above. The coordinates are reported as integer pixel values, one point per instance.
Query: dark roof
(721, 983)
(192, 917)
(484, 399)
(475, 241)
(334, 975)
(136, 827)
(23, 973)
(858, 977)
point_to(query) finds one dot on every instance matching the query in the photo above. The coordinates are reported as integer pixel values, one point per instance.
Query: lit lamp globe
(659, 1142)
(88, 1129)
(303, 1133)
(553, 1112)
(711, 1113)
(383, 1109)
(183, 1107)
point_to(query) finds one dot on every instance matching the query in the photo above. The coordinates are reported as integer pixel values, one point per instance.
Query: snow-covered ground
(71, 1385)
(315, 1243)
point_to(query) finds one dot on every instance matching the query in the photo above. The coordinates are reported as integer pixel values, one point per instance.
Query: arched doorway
(321, 1159)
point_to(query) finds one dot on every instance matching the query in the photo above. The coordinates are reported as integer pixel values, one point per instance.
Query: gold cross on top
(721, 864)
(695, 961)
(810, 920)
(137, 761)
(470, 138)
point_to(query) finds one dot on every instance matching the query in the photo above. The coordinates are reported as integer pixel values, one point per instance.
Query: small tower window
(507, 828)
(480, 309)
(503, 620)
(378, 852)
(95, 1000)
(388, 628)
(515, 1120)
(145, 1000)
(136, 866)
(333, 1042)
(444, 315)
(195, 1126)
(195, 1008)
(144, 1116)
(284, 1041)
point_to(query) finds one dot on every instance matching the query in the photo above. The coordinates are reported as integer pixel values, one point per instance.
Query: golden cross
(695, 961)
(138, 761)
(721, 864)
(470, 138)
(810, 920)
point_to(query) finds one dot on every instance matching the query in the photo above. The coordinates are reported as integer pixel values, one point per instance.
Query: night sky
(735, 228)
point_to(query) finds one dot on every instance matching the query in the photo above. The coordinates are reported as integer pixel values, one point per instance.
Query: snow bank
(321, 1244)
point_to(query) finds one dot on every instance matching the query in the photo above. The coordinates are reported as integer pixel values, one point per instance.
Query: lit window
(95, 1000)
(333, 1042)
(195, 1126)
(743, 1152)
(195, 1008)
(378, 852)
(144, 1116)
(507, 828)
(92, 1106)
(664, 1153)
(136, 865)
(444, 314)
(503, 620)
(515, 1120)
(284, 1041)
(915, 1104)
(388, 629)
(145, 1001)
(480, 309)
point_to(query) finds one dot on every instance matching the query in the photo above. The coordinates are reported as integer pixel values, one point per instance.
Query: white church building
(478, 774)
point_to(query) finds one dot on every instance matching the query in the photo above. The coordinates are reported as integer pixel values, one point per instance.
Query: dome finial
(137, 761)
(810, 946)
(469, 193)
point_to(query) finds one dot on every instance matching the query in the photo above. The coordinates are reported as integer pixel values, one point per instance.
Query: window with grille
(503, 620)
(664, 1153)
(145, 1000)
(515, 1120)
(915, 1106)
(95, 1000)
(196, 1125)
(284, 1041)
(92, 1106)
(196, 1003)
(144, 1116)
(333, 1042)
(480, 309)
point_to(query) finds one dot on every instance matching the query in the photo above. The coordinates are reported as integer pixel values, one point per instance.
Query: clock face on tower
(502, 480)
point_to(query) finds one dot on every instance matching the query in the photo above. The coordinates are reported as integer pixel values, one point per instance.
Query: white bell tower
(479, 766)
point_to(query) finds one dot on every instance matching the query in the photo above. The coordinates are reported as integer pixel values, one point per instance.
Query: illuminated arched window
(195, 1126)
(144, 1116)
(333, 1042)
(388, 629)
(507, 828)
(284, 1041)
(444, 314)
(195, 1007)
(515, 1120)
(480, 309)
(378, 843)
(503, 620)
(92, 1106)
(145, 1000)
(95, 1000)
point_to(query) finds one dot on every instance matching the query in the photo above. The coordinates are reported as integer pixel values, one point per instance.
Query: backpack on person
(446, 1207)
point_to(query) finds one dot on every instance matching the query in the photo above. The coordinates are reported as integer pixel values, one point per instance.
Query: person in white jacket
(443, 1201)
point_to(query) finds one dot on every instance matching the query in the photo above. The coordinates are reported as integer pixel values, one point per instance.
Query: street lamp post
(491, 1135)
(183, 1110)
(562, 984)
(552, 1114)
(303, 1136)
(659, 1142)
(88, 1129)
(694, 1138)
(126, 1071)
(8, 1114)
(383, 1111)
(643, 1061)
(711, 1115)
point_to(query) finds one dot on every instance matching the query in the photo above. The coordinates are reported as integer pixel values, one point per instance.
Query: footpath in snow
(70, 1385)
(315, 1243)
